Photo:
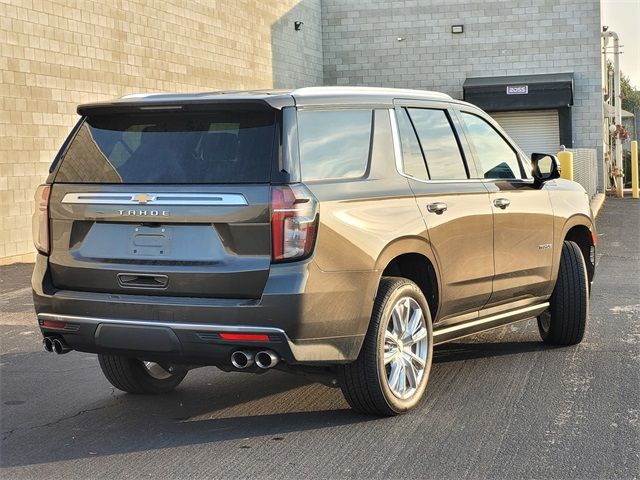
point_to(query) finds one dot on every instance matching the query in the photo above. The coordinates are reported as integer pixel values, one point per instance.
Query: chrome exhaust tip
(60, 347)
(267, 359)
(241, 359)
(47, 344)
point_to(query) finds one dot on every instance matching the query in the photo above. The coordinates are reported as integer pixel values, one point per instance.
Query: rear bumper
(310, 317)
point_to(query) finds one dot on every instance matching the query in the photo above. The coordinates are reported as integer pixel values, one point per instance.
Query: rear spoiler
(173, 103)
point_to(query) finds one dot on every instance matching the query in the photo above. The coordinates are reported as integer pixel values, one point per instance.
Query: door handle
(438, 208)
(502, 203)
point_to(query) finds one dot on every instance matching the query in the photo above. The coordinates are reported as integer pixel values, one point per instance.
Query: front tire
(137, 376)
(391, 373)
(565, 321)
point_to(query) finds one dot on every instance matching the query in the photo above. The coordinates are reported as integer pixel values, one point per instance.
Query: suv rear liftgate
(178, 205)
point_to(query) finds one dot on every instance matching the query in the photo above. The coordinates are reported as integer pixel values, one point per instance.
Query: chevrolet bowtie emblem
(143, 198)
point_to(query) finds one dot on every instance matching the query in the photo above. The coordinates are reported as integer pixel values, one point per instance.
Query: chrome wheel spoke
(395, 374)
(391, 338)
(414, 359)
(396, 322)
(400, 320)
(418, 336)
(416, 323)
(411, 374)
(390, 347)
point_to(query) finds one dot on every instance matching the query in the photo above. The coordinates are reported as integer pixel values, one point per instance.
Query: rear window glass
(334, 144)
(213, 147)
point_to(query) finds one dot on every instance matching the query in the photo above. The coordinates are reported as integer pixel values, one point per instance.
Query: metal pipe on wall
(617, 161)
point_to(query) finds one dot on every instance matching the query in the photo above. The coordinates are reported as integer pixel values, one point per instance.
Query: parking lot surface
(498, 405)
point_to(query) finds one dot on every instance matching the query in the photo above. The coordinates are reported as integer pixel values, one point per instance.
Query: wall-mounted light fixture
(297, 26)
(457, 28)
(400, 39)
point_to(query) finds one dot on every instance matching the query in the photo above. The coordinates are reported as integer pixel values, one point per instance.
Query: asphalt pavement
(499, 405)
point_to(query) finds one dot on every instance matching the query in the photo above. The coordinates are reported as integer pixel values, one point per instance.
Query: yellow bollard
(634, 169)
(566, 164)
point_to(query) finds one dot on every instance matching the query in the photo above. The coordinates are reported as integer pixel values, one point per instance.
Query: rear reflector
(250, 337)
(53, 324)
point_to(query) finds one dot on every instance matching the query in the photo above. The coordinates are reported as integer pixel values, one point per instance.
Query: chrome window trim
(397, 149)
(197, 199)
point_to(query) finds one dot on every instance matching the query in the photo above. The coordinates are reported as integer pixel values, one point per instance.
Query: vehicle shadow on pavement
(456, 352)
(209, 407)
(61, 408)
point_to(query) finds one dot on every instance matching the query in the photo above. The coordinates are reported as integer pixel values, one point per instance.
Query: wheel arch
(581, 230)
(412, 258)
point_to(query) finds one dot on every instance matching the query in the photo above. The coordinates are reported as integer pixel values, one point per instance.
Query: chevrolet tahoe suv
(336, 232)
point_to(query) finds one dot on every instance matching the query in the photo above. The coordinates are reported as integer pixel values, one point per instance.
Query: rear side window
(412, 159)
(497, 158)
(334, 144)
(213, 147)
(439, 144)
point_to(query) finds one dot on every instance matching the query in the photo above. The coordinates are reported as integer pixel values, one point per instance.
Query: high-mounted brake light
(294, 222)
(40, 219)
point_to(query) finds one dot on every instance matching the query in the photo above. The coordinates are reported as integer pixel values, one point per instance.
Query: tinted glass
(334, 144)
(439, 144)
(497, 158)
(216, 147)
(411, 154)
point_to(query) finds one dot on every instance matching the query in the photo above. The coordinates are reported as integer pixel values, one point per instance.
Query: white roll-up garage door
(533, 130)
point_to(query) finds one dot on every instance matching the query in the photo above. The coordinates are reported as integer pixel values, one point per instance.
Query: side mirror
(544, 167)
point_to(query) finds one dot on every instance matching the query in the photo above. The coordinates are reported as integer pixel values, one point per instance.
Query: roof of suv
(273, 98)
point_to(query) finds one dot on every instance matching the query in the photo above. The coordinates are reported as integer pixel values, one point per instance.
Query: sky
(623, 17)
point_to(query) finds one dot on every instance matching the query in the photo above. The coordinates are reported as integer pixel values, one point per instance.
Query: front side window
(497, 158)
(334, 144)
(439, 144)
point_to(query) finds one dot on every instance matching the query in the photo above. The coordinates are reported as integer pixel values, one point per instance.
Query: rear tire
(391, 373)
(136, 376)
(565, 321)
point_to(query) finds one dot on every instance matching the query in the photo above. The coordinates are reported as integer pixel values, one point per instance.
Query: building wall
(520, 37)
(57, 54)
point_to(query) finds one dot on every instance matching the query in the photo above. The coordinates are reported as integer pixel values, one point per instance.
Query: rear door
(456, 210)
(165, 204)
(523, 216)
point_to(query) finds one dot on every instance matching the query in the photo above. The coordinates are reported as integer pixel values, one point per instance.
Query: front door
(522, 214)
(456, 210)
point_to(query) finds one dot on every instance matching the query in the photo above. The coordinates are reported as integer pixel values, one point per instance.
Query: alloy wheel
(405, 348)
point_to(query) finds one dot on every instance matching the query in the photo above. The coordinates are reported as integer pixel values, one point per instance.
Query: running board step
(447, 334)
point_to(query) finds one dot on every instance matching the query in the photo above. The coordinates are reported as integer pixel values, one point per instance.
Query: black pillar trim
(566, 127)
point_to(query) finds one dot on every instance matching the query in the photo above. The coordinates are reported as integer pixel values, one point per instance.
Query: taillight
(294, 222)
(40, 220)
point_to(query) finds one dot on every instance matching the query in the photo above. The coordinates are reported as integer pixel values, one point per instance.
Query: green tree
(630, 95)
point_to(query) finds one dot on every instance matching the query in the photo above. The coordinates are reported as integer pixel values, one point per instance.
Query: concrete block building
(534, 64)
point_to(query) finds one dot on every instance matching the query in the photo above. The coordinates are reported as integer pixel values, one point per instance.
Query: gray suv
(337, 232)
